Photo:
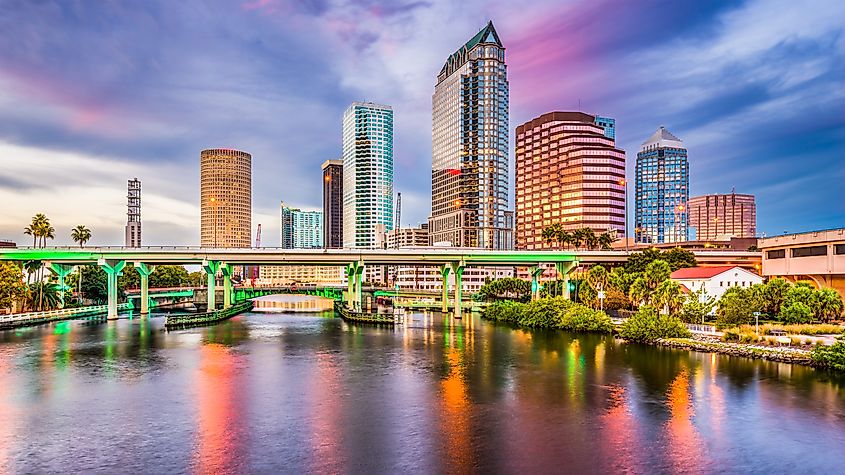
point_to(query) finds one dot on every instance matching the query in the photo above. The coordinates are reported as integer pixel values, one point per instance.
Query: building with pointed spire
(662, 190)
(469, 142)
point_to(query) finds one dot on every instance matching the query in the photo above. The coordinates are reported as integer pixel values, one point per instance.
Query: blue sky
(94, 93)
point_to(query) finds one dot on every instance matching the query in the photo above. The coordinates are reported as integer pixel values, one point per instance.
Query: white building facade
(715, 280)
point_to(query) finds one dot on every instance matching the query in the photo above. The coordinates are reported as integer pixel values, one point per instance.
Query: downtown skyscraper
(332, 204)
(367, 174)
(300, 229)
(568, 171)
(133, 214)
(225, 198)
(469, 141)
(720, 217)
(662, 190)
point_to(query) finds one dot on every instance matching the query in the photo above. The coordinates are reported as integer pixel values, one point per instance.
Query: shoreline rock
(781, 355)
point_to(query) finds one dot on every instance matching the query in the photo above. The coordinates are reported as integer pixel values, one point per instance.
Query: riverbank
(784, 354)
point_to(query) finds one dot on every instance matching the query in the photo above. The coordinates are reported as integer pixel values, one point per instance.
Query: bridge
(112, 260)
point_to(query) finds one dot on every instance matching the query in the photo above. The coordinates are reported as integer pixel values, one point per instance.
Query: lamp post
(624, 183)
(679, 210)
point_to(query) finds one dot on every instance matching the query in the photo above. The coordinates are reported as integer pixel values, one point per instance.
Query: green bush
(580, 318)
(647, 326)
(546, 313)
(505, 311)
(830, 356)
(797, 312)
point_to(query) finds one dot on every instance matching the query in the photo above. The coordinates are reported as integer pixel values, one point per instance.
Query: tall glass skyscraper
(662, 190)
(469, 142)
(367, 174)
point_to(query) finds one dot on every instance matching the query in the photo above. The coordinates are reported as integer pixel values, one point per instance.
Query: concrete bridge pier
(61, 271)
(536, 272)
(210, 268)
(444, 298)
(113, 269)
(563, 270)
(226, 270)
(354, 284)
(458, 270)
(144, 270)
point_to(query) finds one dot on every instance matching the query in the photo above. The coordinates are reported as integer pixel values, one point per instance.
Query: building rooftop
(662, 138)
(486, 35)
(700, 272)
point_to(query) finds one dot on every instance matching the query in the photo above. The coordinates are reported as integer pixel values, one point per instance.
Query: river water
(275, 393)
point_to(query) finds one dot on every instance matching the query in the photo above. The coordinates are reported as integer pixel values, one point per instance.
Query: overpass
(61, 261)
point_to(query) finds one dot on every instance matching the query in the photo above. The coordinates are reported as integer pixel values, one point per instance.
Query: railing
(35, 318)
(205, 318)
(699, 328)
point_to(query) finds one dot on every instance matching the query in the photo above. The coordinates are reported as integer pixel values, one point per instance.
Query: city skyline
(77, 130)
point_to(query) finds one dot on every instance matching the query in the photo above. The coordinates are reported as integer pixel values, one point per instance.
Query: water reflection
(301, 393)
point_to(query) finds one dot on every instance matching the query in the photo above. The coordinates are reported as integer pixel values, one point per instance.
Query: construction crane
(398, 211)
(253, 274)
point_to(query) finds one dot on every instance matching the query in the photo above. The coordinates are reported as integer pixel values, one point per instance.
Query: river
(301, 393)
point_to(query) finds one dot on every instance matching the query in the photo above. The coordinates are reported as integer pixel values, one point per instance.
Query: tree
(668, 297)
(736, 307)
(801, 292)
(508, 288)
(80, 234)
(678, 258)
(827, 304)
(638, 261)
(577, 238)
(168, 276)
(774, 293)
(621, 280)
(12, 287)
(796, 312)
(697, 306)
(196, 279)
(605, 241)
(588, 236)
(642, 290)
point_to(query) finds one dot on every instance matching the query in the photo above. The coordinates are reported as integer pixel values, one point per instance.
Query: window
(809, 251)
(776, 254)
(839, 249)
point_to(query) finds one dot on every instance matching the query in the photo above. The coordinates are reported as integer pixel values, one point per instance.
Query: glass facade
(367, 174)
(300, 229)
(609, 126)
(469, 176)
(662, 190)
(333, 203)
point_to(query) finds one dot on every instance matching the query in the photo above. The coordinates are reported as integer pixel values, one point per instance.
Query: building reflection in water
(326, 421)
(219, 441)
(684, 444)
(619, 439)
(455, 415)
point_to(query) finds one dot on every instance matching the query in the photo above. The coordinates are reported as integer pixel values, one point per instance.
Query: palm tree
(31, 231)
(577, 238)
(80, 234)
(589, 237)
(605, 240)
(565, 238)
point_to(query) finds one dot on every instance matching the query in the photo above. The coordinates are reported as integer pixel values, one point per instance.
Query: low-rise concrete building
(715, 280)
(817, 257)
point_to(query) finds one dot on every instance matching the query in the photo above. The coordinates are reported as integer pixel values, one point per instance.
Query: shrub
(647, 326)
(830, 356)
(797, 312)
(505, 311)
(803, 329)
(582, 319)
(546, 312)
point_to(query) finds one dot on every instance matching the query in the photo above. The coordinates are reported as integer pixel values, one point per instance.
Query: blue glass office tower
(609, 126)
(662, 190)
(367, 174)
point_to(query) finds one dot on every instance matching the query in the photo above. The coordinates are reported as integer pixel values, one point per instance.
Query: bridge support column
(210, 268)
(354, 284)
(359, 286)
(536, 272)
(226, 270)
(113, 269)
(144, 270)
(61, 271)
(444, 298)
(350, 284)
(563, 270)
(458, 270)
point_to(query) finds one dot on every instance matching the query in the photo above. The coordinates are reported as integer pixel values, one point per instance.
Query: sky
(95, 93)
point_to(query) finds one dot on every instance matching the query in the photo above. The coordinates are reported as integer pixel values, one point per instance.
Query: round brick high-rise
(225, 198)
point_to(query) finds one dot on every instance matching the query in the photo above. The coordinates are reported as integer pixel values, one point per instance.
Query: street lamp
(624, 183)
(680, 209)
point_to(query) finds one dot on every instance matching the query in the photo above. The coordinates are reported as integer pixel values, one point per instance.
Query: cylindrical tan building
(225, 198)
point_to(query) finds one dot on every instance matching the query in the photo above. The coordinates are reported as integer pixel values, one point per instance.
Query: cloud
(94, 94)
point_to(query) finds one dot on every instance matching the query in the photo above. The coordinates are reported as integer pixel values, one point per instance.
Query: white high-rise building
(133, 214)
(367, 174)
